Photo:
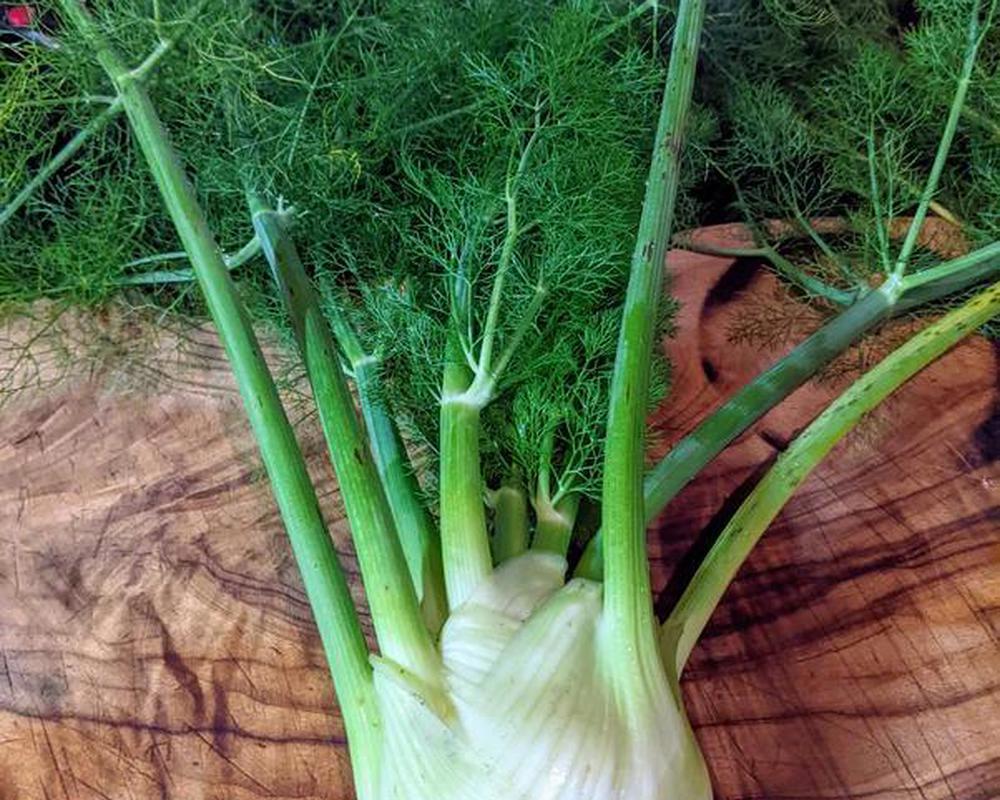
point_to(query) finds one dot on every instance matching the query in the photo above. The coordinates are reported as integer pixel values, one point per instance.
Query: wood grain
(155, 641)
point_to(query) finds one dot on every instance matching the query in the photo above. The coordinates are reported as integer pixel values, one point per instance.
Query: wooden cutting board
(155, 641)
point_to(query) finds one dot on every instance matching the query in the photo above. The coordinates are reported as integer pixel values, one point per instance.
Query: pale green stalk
(555, 512)
(85, 99)
(322, 576)
(688, 619)
(437, 119)
(465, 544)
(938, 208)
(627, 608)
(881, 218)
(402, 634)
(809, 283)
(842, 265)
(554, 523)
(417, 531)
(522, 329)
(510, 522)
(161, 276)
(627, 18)
(487, 372)
(950, 276)
(415, 528)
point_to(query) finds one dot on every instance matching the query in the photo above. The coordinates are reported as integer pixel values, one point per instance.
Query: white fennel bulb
(531, 705)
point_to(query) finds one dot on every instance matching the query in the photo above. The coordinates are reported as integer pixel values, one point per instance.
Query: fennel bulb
(531, 704)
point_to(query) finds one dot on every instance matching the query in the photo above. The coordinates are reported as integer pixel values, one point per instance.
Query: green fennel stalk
(465, 392)
(399, 625)
(325, 584)
(413, 524)
(626, 569)
(418, 536)
(511, 532)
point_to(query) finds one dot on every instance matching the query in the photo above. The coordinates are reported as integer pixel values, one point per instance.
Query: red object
(20, 16)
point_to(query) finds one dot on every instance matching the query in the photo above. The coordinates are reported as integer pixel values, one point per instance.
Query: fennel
(519, 348)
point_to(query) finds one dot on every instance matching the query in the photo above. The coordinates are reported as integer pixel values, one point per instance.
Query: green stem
(543, 483)
(625, 19)
(690, 455)
(484, 380)
(756, 398)
(399, 626)
(465, 544)
(627, 608)
(842, 266)
(809, 283)
(437, 119)
(942, 211)
(417, 533)
(348, 339)
(688, 619)
(322, 576)
(591, 563)
(520, 331)
(161, 258)
(510, 522)
(723, 252)
(554, 523)
(944, 146)
(86, 99)
(955, 274)
(881, 221)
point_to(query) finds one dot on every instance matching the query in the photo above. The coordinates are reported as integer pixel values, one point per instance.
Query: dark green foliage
(394, 129)
(855, 134)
